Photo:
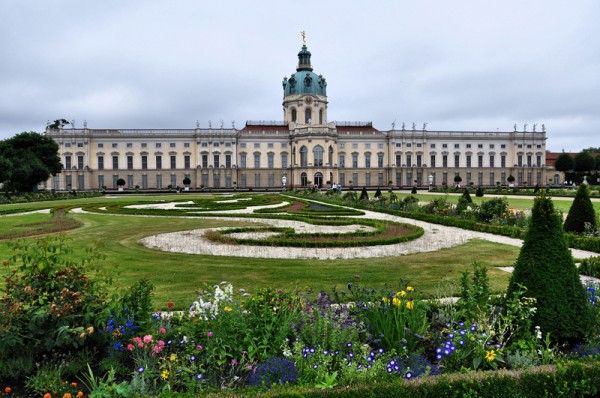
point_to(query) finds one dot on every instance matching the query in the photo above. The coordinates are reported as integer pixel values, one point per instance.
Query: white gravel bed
(162, 206)
(253, 235)
(232, 200)
(43, 211)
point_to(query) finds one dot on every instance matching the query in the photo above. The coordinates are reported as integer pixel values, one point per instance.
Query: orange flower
(47, 395)
(67, 395)
(74, 384)
(7, 390)
(80, 394)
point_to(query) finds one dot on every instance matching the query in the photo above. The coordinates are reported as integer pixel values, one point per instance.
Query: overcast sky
(456, 65)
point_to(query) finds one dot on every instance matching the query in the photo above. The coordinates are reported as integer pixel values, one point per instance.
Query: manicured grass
(178, 277)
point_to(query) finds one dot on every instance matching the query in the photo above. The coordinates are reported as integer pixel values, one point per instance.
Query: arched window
(330, 157)
(294, 115)
(318, 155)
(308, 116)
(303, 179)
(303, 156)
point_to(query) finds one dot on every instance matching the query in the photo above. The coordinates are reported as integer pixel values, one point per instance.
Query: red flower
(170, 304)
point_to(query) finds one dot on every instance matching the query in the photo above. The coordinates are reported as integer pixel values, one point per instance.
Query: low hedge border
(573, 241)
(573, 379)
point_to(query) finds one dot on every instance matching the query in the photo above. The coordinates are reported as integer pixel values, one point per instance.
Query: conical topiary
(479, 192)
(581, 212)
(363, 194)
(378, 192)
(467, 196)
(546, 269)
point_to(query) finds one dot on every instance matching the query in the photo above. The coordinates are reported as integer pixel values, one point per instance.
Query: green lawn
(178, 277)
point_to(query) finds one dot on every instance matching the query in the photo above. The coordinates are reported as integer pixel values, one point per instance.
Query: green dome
(304, 81)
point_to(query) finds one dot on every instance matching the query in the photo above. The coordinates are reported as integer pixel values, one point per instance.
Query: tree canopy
(27, 159)
(564, 162)
(584, 162)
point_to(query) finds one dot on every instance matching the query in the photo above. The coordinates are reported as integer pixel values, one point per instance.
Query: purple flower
(209, 334)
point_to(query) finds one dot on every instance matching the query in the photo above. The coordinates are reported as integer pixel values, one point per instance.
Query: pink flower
(130, 347)
(161, 343)
(209, 334)
(234, 362)
(157, 349)
(147, 339)
(199, 347)
(138, 341)
(163, 330)
(249, 367)
(356, 276)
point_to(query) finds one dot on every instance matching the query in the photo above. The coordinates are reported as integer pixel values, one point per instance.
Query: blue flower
(199, 376)
(349, 344)
(408, 375)
(192, 358)
(141, 369)
(315, 366)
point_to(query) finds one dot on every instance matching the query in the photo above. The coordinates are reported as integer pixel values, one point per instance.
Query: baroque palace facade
(305, 148)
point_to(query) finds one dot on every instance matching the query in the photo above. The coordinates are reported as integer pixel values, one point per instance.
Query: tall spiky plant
(546, 269)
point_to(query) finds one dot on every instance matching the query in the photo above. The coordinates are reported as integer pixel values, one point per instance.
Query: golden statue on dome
(303, 34)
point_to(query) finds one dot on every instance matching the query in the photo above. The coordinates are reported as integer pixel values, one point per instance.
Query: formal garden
(300, 294)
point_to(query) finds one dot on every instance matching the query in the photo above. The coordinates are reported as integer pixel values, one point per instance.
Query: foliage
(28, 158)
(120, 182)
(590, 267)
(584, 161)
(546, 269)
(466, 196)
(187, 180)
(495, 207)
(581, 212)
(363, 194)
(564, 162)
(378, 193)
(510, 178)
(474, 293)
(50, 301)
(276, 370)
(479, 192)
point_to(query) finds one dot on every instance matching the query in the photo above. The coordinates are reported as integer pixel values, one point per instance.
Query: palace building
(304, 148)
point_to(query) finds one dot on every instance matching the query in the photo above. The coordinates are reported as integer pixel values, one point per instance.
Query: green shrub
(364, 195)
(479, 192)
(495, 207)
(590, 267)
(467, 196)
(546, 268)
(581, 212)
(52, 303)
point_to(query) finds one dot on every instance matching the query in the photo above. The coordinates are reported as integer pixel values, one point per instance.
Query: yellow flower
(490, 355)
(409, 289)
(165, 374)
(173, 357)
(410, 305)
(396, 302)
(228, 309)
(401, 294)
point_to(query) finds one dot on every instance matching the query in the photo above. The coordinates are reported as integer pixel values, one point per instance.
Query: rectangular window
(408, 145)
(115, 162)
(243, 182)
(468, 160)
(367, 146)
(408, 160)
(538, 160)
(445, 161)
(173, 180)
(480, 161)
(444, 145)
(492, 161)
(354, 145)
(445, 178)
(159, 182)
(380, 179)
(456, 160)
(144, 145)
(492, 182)
(520, 161)
(271, 180)
(257, 160)
(243, 160)
(68, 164)
(398, 145)
(186, 162)
(368, 179)
(354, 179)
(144, 181)
(284, 160)
(204, 144)
(270, 160)
(227, 180)
(342, 145)
(480, 178)
(114, 145)
(171, 145)
(419, 160)
(173, 161)
(432, 146)
(256, 145)
(80, 145)
(479, 146)
(491, 146)
(503, 146)
(158, 145)
(100, 145)
(129, 162)
(468, 145)
(355, 160)
(257, 180)
(468, 177)
(130, 182)
(529, 162)
(380, 146)
(432, 161)
(342, 160)
(204, 157)
(129, 145)
(100, 163)
(228, 160)
(216, 160)
(456, 146)
(215, 144)
(186, 144)
(380, 160)
(398, 160)
(503, 178)
(100, 182)
(216, 181)
(367, 160)
(243, 145)
(158, 162)
(399, 179)
(342, 180)
(79, 162)
(503, 161)
(270, 145)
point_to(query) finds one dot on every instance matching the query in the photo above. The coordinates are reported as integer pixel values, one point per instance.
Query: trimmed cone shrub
(479, 192)
(581, 212)
(378, 192)
(467, 196)
(546, 269)
(363, 194)
(413, 190)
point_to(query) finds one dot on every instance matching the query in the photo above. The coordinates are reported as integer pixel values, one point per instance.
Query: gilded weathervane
(303, 34)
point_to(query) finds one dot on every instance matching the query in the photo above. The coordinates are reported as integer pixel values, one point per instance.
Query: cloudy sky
(456, 65)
